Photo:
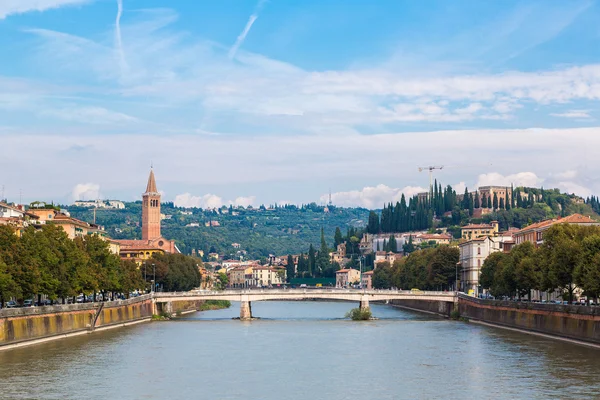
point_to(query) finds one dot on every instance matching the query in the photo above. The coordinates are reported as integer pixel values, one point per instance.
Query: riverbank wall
(23, 326)
(562, 321)
(441, 308)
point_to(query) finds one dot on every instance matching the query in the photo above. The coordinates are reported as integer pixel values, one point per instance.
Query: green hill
(260, 231)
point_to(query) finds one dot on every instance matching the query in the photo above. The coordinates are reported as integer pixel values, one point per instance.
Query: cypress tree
(501, 202)
(489, 202)
(290, 268)
(495, 202)
(477, 202)
(512, 196)
(507, 201)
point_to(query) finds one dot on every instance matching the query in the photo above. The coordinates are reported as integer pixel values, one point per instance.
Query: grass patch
(215, 305)
(356, 314)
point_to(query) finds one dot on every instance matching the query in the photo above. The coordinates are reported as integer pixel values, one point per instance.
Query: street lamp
(456, 277)
(145, 277)
(154, 275)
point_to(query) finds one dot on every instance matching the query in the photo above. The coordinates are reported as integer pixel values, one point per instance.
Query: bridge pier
(364, 302)
(245, 310)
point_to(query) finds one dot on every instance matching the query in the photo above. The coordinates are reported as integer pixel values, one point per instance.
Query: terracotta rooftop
(478, 226)
(571, 219)
(345, 270)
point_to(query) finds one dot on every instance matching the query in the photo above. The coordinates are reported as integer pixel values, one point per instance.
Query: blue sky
(279, 101)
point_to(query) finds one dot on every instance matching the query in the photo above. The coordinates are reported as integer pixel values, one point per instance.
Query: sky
(284, 101)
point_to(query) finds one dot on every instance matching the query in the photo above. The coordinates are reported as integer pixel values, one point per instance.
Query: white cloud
(89, 115)
(581, 114)
(86, 191)
(8, 7)
(240, 39)
(572, 187)
(527, 179)
(371, 197)
(569, 174)
(459, 187)
(210, 201)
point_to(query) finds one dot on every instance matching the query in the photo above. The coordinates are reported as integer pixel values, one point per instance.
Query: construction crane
(430, 168)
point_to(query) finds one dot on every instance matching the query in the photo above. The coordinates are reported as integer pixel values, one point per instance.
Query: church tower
(151, 210)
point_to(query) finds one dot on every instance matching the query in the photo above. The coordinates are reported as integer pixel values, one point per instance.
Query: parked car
(11, 304)
(28, 303)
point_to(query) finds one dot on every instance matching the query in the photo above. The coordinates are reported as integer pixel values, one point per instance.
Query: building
(501, 192)
(367, 280)
(265, 276)
(534, 233)
(442, 238)
(346, 277)
(474, 231)
(152, 240)
(339, 255)
(16, 217)
(107, 204)
(240, 276)
(389, 257)
(472, 256)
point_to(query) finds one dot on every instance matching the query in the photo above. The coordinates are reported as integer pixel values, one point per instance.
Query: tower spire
(151, 186)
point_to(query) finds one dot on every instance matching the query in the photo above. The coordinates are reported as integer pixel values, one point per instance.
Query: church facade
(152, 240)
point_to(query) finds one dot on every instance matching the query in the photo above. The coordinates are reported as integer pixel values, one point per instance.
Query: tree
(312, 260)
(373, 224)
(222, 281)
(502, 203)
(562, 253)
(381, 276)
(409, 247)
(587, 272)
(477, 202)
(392, 246)
(495, 202)
(527, 273)
(323, 262)
(290, 267)
(338, 238)
(489, 202)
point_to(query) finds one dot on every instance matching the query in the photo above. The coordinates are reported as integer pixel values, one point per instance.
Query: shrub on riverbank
(215, 305)
(357, 314)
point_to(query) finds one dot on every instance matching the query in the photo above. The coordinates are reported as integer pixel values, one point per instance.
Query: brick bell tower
(151, 210)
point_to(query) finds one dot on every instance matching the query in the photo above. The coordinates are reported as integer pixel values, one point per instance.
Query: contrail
(118, 40)
(242, 36)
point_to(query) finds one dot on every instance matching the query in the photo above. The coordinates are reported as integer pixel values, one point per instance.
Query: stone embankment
(441, 308)
(24, 326)
(573, 322)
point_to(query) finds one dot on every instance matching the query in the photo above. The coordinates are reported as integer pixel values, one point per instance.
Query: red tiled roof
(343, 271)
(478, 226)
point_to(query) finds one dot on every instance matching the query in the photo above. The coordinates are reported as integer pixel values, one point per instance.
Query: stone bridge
(247, 296)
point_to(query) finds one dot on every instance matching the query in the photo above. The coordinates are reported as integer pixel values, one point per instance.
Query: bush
(357, 314)
(455, 314)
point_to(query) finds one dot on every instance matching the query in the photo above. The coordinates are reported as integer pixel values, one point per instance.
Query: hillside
(291, 229)
(260, 232)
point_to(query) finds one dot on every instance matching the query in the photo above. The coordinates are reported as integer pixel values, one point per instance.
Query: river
(302, 350)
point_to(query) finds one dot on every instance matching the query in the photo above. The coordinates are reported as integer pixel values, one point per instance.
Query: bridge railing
(230, 292)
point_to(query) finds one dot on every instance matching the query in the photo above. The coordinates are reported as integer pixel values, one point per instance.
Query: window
(478, 263)
(479, 250)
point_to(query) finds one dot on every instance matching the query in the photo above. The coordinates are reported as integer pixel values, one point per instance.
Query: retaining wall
(34, 324)
(442, 308)
(568, 321)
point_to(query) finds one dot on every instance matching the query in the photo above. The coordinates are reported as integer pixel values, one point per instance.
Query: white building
(472, 256)
(107, 204)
